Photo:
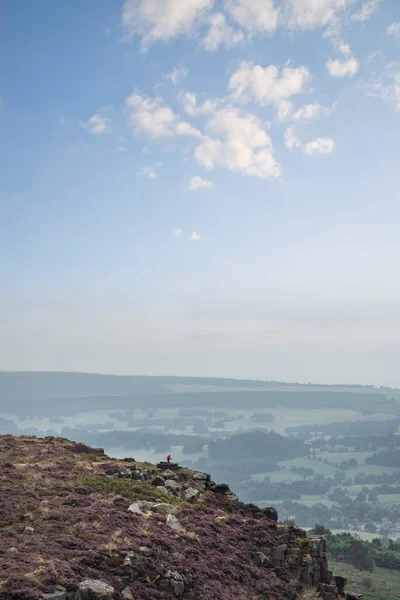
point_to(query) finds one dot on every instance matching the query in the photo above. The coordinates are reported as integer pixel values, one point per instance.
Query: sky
(201, 187)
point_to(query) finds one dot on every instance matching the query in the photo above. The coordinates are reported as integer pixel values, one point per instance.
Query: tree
(360, 556)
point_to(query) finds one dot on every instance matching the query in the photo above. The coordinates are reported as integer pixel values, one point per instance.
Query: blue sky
(201, 187)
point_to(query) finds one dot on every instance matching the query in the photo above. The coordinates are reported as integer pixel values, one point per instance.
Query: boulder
(120, 501)
(145, 505)
(164, 490)
(201, 476)
(29, 530)
(192, 495)
(94, 589)
(158, 480)
(278, 553)
(220, 488)
(173, 486)
(135, 509)
(173, 523)
(168, 474)
(164, 508)
(178, 588)
(125, 473)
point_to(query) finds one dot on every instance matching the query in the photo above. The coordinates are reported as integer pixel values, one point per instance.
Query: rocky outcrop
(82, 526)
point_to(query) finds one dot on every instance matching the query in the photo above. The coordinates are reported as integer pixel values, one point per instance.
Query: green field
(382, 584)
(337, 457)
(318, 467)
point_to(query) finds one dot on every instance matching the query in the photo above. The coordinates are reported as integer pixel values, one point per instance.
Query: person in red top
(169, 457)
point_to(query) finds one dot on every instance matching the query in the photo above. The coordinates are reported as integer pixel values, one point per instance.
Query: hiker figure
(169, 458)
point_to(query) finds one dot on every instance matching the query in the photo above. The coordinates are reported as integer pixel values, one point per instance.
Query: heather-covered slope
(65, 518)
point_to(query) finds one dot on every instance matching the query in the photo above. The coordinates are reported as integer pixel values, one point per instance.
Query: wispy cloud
(101, 122)
(393, 29)
(148, 172)
(177, 75)
(366, 11)
(198, 183)
(319, 146)
(291, 139)
(195, 237)
(177, 232)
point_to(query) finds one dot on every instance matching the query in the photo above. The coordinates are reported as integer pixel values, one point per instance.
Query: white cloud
(162, 20)
(342, 68)
(344, 48)
(99, 123)
(190, 106)
(62, 120)
(311, 14)
(220, 33)
(393, 29)
(310, 111)
(198, 183)
(253, 15)
(367, 9)
(186, 129)
(195, 237)
(177, 75)
(155, 119)
(291, 140)
(319, 146)
(387, 89)
(238, 142)
(148, 172)
(268, 85)
(177, 232)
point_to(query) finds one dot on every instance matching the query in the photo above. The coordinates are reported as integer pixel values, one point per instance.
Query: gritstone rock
(94, 589)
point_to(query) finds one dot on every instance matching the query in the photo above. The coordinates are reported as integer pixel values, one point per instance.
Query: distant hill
(58, 393)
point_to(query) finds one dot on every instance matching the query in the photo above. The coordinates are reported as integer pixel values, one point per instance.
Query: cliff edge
(78, 525)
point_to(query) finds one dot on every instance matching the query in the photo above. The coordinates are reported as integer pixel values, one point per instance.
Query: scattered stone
(125, 472)
(29, 530)
(261, 559)
(120, 501)
(172, 485)
(164, 490)
(220, 488)
(135, 509)
(178, 588)
(201, 476)
(173, 523)
(168, 474)
(192, 495)
(165, 509)
(145, 505)
(57, 595)
(94, 589)
(232, 496)
(158, 480)
(145, 551)
(127, 594)
(13, 549)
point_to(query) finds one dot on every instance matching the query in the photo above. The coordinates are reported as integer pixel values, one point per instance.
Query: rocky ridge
(78, 525)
